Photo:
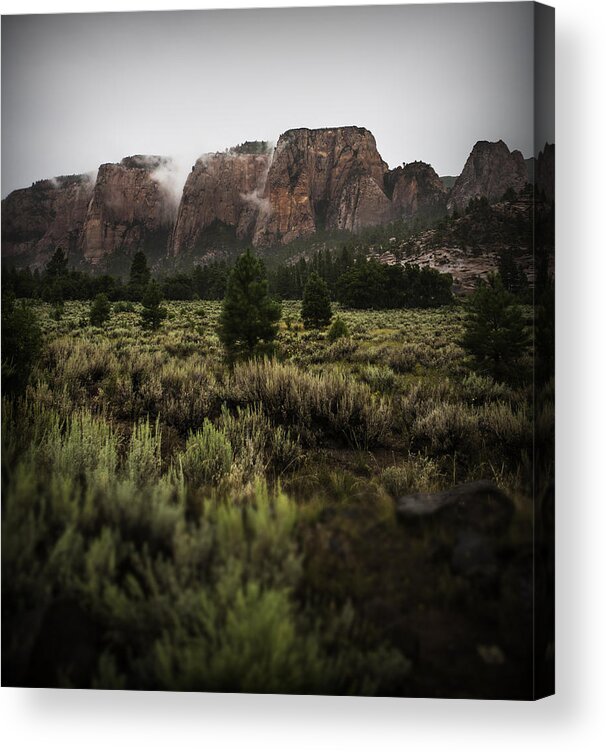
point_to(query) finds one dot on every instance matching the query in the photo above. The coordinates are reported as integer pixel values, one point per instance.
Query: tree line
(495, 333)
(352, 280)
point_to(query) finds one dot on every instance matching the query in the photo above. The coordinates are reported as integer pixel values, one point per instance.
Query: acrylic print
(277, 351)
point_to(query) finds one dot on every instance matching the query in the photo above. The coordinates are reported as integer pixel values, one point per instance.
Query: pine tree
(514, 279)
(139, 276)
(57, 266)
(316, 311)
(495, 335)
(21, 343)
(249, 317)
(100, 310)
(153, 314)
(337, 330)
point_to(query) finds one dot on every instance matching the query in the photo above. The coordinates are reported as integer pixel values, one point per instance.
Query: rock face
(491, 169)
(49, 214)
(315, 180)
(415, 187)
(130, 210)
(330, 178)
(223, 189)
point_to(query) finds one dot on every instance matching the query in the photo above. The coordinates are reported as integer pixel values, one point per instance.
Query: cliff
(315, 180)
(49, 214)
(491, 169)
(416, 187)
(130, 210)
(329, 178)
(222, 190)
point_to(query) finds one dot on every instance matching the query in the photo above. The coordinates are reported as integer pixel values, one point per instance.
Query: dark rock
(479, 505)
(491, 169)
(474, 556)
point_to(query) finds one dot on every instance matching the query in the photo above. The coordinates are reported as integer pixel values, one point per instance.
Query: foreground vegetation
(174, 522)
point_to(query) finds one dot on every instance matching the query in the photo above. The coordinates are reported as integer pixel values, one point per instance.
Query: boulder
(479, 505)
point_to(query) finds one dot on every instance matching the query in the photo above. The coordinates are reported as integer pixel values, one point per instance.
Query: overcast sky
(428, 81)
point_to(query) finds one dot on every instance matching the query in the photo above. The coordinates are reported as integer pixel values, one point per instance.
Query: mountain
(130, 210)
(315, 181)
(416, 188)
(324, 179)
(51, 213)
(491, 169)
(223, 191)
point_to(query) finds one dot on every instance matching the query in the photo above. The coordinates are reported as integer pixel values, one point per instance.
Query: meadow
(170, 522)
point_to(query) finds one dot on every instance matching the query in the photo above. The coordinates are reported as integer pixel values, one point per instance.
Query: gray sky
(427, 80)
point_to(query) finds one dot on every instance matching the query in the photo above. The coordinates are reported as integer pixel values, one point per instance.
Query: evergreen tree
(57, 266)
(100, 310)
(153, 314)
(337, 330)
(249, 317)
(139, 277)
(316, 311)
(495, 335)
(21, 344)
(364, 285)
(514, 279)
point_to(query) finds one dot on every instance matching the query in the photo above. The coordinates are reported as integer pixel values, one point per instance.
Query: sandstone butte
(313, 180)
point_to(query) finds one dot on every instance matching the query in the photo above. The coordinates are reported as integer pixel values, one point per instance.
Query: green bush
(208, 456)
(338, 329)
(100, 310)
(21, 343)
(160, 596)
(314, 405)
(152, 313)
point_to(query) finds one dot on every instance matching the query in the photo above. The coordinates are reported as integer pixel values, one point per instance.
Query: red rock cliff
(415, 187)
(222, 189)
(130, 210)
(489, 171)
(49, 214)
(330, 178)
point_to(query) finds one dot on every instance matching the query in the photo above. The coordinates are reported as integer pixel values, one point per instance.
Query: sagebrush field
(198, 526)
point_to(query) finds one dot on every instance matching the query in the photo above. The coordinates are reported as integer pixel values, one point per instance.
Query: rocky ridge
(315, 180)
(491, 169)
(129, 210)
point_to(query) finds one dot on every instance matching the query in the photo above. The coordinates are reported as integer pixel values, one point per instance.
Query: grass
(233, 529)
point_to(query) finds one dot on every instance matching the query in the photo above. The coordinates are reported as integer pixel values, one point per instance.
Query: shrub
(416, 474)
(315, 405)
(100, 310)
(258, 444)
(478, 390)
(507, 431)
(152, 314)
(124, 307)
(144, 458)
(337, 330)
(448, 429)
(208, 456)
(379, 378)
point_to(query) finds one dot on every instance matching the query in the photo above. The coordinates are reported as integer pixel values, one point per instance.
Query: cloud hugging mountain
(313, 180)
